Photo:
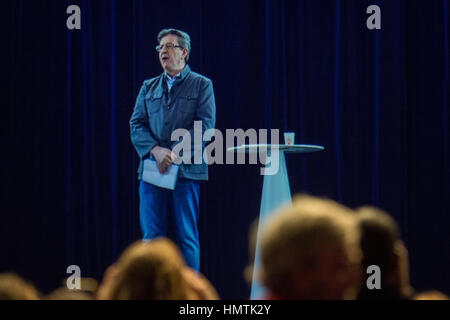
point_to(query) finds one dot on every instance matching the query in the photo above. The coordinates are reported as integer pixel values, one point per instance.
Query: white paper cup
(289, 138)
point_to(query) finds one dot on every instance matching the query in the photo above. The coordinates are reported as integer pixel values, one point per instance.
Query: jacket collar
(185, 72)
(160, 88)
(180, 75)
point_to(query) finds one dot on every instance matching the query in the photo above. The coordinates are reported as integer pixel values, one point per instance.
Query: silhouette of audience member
(13, 287)
(252, 240)
(104, 289)
(63, 293)
(310, 251)
(153, 270)
(87, 291)
(381, 246)
(431, 295)
(200, 287)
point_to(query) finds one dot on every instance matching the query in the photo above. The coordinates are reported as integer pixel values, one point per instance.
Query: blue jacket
(158, 112)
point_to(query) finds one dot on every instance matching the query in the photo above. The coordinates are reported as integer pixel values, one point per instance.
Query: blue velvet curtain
(376, 99)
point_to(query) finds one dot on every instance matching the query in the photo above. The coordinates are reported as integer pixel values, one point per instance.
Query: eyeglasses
(168, 46)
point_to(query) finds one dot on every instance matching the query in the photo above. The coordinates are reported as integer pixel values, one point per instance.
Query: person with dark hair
(173, 100)
(382, 247)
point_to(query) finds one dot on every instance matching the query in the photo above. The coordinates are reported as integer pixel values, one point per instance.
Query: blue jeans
(183, 203)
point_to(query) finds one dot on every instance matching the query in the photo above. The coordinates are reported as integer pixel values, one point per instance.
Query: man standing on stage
(173, 100)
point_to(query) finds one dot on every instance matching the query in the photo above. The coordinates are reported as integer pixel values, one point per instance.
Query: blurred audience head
(252, 240)
(154, 270)
(13, 287)
(149, 271)
(381, 246)
(63, 293)
(199, 287)
(88, 288)
(431, 295)
(311, 251)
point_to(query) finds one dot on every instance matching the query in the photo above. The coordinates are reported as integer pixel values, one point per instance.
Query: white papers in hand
(152, 175)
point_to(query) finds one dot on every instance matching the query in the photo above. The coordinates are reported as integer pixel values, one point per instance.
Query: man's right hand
(164, 157)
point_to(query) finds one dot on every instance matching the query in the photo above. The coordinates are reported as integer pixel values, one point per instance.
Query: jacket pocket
(187, 104)
(154, 103)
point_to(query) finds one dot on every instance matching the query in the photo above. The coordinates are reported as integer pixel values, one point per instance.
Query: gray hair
(294, 238)
(183, 39)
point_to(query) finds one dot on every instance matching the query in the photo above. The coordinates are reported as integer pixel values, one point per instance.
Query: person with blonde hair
(310, 251)
(154, 270)
(431, 295)
(13, 287)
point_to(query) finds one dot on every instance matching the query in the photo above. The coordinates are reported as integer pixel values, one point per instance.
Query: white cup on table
(289, 138)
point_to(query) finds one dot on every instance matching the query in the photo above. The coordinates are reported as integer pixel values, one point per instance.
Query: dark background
(377, 100)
